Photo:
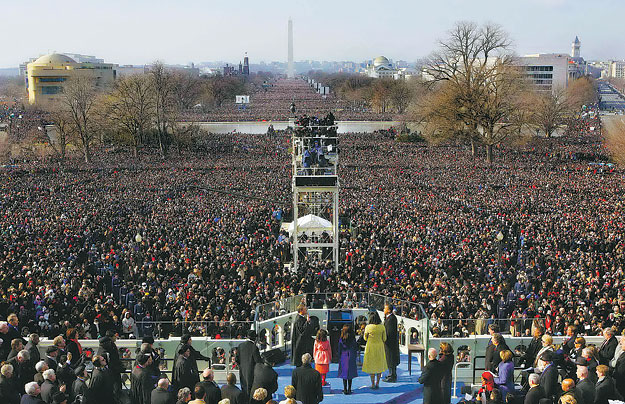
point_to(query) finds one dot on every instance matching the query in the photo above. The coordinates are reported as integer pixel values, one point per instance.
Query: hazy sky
(182, 31)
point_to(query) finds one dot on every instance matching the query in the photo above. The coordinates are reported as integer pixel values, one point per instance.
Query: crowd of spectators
(271, 104)
(570, 373)
(194, 244)
(155, 248)
(67, 373)
(19, 122)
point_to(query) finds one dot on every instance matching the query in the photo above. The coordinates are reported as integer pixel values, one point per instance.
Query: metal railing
(212, 329)
(339, 300)
(464, 327)
(439, 328)
(403, 308)
(516, 368)
(278, 308)
(456, 366)
(238, 329)
(272, 316)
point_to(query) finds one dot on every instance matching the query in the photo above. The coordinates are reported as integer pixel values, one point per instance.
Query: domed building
(381, 61)
(48, 74)
(381, 67)
(56, 59)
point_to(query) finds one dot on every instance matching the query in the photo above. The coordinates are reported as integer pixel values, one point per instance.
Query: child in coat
(322, 353)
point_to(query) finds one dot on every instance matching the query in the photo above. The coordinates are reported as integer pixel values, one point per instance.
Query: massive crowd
(271, 104)
(19, 122)
(151, 247)
(193, 244)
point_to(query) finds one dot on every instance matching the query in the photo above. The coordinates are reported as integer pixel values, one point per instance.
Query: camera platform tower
(315, 182)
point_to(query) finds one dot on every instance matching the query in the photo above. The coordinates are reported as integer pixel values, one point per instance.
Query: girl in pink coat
(322, 354)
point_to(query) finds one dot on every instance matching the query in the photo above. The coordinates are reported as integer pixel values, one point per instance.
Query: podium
(336, 320)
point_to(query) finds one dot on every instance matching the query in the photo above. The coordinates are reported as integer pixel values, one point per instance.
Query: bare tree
(382, 91)
(402, 94)
(355, 88)
(131, 107)
(503, 110)
(177, 133)
(78, 101)
(582, 91)
(549, 110)
(12, 88)
(442, 116)
(482, 82)
(62, 132)
(218, 89)
(162, 84)
(186, 90)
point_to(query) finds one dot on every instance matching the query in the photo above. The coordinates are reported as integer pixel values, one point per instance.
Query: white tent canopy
(311, 224)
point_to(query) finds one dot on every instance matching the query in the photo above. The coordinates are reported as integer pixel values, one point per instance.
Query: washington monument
(290, 73)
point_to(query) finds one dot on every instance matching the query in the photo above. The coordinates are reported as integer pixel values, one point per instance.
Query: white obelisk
(290, 73)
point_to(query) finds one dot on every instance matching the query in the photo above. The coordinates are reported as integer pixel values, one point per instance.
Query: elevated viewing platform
(315, 184)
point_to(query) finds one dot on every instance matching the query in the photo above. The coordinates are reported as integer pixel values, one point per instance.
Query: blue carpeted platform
(406, 390)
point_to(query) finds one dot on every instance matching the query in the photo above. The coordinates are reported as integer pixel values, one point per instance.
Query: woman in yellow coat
(375, 357)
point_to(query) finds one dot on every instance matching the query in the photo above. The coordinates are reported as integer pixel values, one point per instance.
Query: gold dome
(55, 59)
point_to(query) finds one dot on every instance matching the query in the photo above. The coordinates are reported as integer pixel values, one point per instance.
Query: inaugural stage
(406, 390)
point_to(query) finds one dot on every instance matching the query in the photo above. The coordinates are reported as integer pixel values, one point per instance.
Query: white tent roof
(311, 224)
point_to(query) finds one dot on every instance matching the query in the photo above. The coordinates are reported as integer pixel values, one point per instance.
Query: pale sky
(182, 31)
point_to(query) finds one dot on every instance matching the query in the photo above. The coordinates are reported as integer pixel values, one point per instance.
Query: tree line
(472, 90)
(139, 110)
(380, 95)
(478, 93)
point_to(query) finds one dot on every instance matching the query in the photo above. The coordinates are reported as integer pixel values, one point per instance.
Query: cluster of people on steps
(71, 374)
(572, 373)
(381, 348)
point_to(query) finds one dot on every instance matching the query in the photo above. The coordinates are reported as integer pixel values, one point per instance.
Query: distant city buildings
(551, 71)
(243, 70)
(617, 69)
(23, 67)
(47, 75)
(383, 68)
(189, 69)
(576, 48)
(230, 70)
(77, 57)
(84, 58)
(380, 68)
(548, 71)
(129, 70)
(246, 65)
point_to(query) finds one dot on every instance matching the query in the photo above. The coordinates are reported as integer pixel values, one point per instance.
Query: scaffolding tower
(315, 227)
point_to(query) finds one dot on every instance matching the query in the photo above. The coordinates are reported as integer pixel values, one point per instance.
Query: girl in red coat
(322, 354)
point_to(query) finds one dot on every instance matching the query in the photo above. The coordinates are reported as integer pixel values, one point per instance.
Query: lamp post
(499, 240)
